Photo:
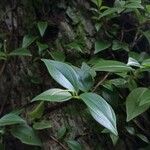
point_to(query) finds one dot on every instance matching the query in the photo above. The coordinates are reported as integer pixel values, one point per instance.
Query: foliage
(104, 68)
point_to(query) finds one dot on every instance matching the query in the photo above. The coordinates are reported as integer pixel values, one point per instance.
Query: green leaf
(133, 101)
(85, 77)
(54, 95)
(143, 138)
(28, 40)
(41, 47)
(3, 55)
(133, 62)
(117, 45)
(75, 46)
(42, 26)
(101, 111)
(146, 63)
(38, 111)
(20, 52)
(26, 135)
(109, 11)
(58, 55)
(101, 45)
(44, 124)
(133, 5)
(11, 119)
(147, 35)
(74, 145)
(145, 99)
(111, 66)
(61, 132)
(63, 73)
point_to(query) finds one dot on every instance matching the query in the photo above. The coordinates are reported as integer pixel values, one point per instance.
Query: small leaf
(41, 47)
(61, 132)
(111, 66)
(101, 45)
(74, 145)
(26, 135)
(133, 101)
(54, 95)
(147, 35)
(44, 124)
(20, 52)
(101, 111)
(134, 5)
(42, 26)
(28, 40)
(63, 73)
(38, 111)
(58, 55)
(146, 63)
(143, 138)
(133, 62)
(11, 119)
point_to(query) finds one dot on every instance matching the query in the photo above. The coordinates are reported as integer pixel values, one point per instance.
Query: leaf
(117, 45)
(133, 5)
(44, 124)
(74, 145)
(42, 26)
(133, 101)
(109, 11)
(28, 40)
(101, 111)
(58, 55)
(147, 35)
(11, 119)
(26, 135)
(61, 132)
(111, 66)
(53, 95)
(75, 46)
(20, 52)
(101, 45)
(85, 77)
(145, 99)
(41, 47)
(143, 138)
(3, 55)
(146, 63)
(63, 73)
(38, 111)
(133, 62)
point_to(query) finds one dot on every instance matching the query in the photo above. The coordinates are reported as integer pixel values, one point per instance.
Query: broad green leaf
(131, 130)
(43, 124)
(63, 73)
(26, 135)
(111, 66)
(58, 55)
(74, 145)
(42, 26)
(37, 111)
(133, 101)
(41, 47)
(20, 52)
(28, 40)
(54, 95)
(61, 132)
(11, 119)
(145, 98)
(101, 45)
(101, 111)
